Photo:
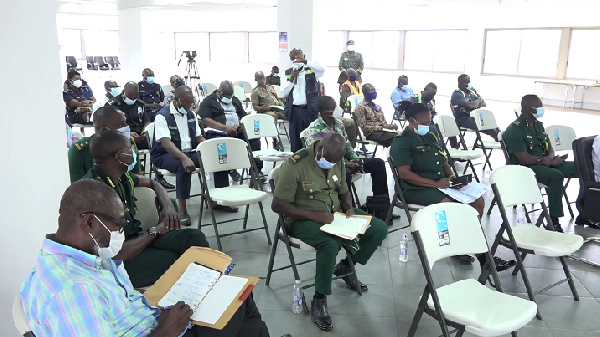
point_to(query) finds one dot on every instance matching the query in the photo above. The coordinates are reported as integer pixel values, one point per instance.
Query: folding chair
(224, 154)
(205, 89)
(561, 138)
(516, 185)
(363, 142)
(19, 318)
(484, 120)
(241, 95)
(398, 198)
(466, 305)
(463, 130)
(292, 242)
(446, 126)
(517, 111)
(399, 115)
(145, 200)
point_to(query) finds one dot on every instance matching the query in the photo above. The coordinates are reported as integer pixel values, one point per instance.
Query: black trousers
(469, 122)
(382, 138)
(246, 322)
(299, 120)
(376, 167)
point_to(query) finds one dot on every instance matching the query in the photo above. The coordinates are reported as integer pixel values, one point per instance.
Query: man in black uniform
(151, 93)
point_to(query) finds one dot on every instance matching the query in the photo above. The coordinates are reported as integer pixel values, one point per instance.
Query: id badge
(442, 228)
(257, 127)
(556, 137)
(481, 118)
(222, 152)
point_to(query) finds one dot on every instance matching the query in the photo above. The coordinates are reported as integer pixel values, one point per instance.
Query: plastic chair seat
(237, 195)
(356, 177)
(545, 242)
(465, 129)
(415, 207)
(465, 154)
(492, 144)
(270, 155)
(483, 311)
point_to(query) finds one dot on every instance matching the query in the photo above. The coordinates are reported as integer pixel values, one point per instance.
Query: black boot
(321, 317)
(556, 224)
(343, 268)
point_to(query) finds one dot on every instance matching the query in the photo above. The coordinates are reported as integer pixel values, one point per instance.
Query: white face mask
(350, 48)
(114, 245)
(77, 83)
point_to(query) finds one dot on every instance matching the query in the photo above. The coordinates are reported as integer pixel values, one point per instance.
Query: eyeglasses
(120, 222)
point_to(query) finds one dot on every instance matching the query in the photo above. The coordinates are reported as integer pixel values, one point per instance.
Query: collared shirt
(318, 129)
(302, 183)
(73, 293)
(161, 128)
(400, 95)
(459, 96)
(522, 137)
(231, 117)
(136, 115)
(419, 98)
(272, 80)
(596, 157)
(85, 93)
(151, 93)
(264, 96)
(300, 87)
(369, 117)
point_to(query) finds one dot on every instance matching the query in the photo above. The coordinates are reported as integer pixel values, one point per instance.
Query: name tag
(334, 177)
(173, 127)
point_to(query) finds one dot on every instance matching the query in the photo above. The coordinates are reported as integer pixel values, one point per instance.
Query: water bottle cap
(404, 236)
(297, 281)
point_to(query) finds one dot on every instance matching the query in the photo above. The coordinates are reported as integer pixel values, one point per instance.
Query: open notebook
(207, 291)
(347, 228)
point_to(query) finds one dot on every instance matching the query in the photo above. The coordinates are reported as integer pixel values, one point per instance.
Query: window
(525, 52)
(583, 54)
(70, 42)
(435, 50)
(363, 43)
(191, 42)
(228, 47)
(385, 50)
(101, 42)
(263, 47)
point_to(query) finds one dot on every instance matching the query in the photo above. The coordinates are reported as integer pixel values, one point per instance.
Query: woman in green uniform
(421, 163)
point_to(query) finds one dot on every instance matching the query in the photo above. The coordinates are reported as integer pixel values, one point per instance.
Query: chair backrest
(582, 153)
(447, 125)
(239, 93)
(150, 131)
(462, 223)
(208, 88)
(354, 101)
(274, 176)
(259, 125)
(72, 61)
(99, 60)
(146, 204)
(503, 147)
(516, 185)
(561, 137)
(484, 119)
(517, 111)
(167, 88)
(244, 85)
(223, 154)
(19, 317)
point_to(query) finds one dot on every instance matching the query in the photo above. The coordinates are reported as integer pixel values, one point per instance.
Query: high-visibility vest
(353, 90)
(420, 100)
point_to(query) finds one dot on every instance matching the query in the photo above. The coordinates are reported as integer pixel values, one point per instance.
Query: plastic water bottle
(521, 219)
(297, 302)
(486, 176)
(404, 248)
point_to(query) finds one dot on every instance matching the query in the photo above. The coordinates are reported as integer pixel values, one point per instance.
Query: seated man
(112, 91)
(105, 118)
(150, 93)
(311, 185)
(176, 136)
(326, 124)
(79, 99)
(371, 120)
(76, 289)
(423, 168)
(221, 114)
(176, 81)
(402, 92)
(427, 97)
(147, 255)
(274, 78)
(350, 87)
(464, 100)
(264, 98)
(528, 145)
(135, 112)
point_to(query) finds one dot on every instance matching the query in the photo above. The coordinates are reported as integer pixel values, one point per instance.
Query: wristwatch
(154, 231)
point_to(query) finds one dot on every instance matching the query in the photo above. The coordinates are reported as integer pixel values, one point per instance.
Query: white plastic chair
(484, 120)
(515, 185)
(467, 305)
(145, 200)
(240, 94)
(562, 137)
(207, 89)
(354, 101)
(224, 154)
(259, 126)
(19, 318)
(244, 85)
(278, 91)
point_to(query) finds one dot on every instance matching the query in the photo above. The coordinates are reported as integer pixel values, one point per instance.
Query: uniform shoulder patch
(296, 157)
(84, 145)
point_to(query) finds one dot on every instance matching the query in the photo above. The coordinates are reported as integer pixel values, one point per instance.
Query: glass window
(228, 47)
(70, 42)
(263, 47)
(417, 47)
(583, 54)
(363, 42)
(101, 42)
(502, 51)
(191, 42)
(385, 50)
(337, 45)
(446, 55)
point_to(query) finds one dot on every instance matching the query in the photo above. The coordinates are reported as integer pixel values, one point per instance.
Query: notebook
(347, 228)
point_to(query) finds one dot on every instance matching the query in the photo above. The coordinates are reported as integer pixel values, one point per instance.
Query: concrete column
(34, 171)
(131, 43)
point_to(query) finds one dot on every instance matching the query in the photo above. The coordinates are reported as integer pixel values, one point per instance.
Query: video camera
(191, 55)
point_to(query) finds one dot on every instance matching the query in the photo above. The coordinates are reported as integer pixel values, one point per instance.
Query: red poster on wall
(283, 41)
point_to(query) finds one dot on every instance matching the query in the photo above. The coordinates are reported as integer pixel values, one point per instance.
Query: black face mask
(179, 82)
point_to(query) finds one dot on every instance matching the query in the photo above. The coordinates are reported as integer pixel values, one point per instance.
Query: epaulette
(298, 156)
(83, 145)
(517, 123)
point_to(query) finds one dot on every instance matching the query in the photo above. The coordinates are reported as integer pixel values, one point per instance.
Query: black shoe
(556, 224)
(341, 269)
(465, 258)
(161, 180)
(230, 209)
(503, 264)
(276, 144)
(235, 176)
(395, 216)
(583, 222)
(185, 219)
(321, 317)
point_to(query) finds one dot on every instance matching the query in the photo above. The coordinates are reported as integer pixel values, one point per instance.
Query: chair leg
(272, 257)
(489, 211)
(569, 278)
(521, 267)
(568, 203)
(262, 212)
(214, 222)
(417, 316)
(245, 223)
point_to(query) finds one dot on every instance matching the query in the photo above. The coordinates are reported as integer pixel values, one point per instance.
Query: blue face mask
(125, 130)
(539, 112)
(421, 130)
(404, 87)
(182, 110)
(226, 100)
(115, 91)
(371, 96)
(352, 77)
(128, 101)
(275, 74)
(150, 79)
(323, 163)
(132, 165)
(469, 86)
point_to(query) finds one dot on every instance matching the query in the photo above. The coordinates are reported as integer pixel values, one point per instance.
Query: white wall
(34, 170)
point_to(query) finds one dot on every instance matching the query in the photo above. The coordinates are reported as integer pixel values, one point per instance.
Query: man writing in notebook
(311, 186)
(76, 289)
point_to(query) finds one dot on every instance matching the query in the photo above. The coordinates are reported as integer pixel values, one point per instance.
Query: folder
(347, 228)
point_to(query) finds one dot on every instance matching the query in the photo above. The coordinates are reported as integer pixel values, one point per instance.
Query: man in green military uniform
(105, 118)
(528, 145)
(264, 100)
(312, 185)
(274, 78)
(146, 254)
(350, 59)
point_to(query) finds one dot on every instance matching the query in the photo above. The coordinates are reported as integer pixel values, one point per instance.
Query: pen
(167, 308)
(328, 209)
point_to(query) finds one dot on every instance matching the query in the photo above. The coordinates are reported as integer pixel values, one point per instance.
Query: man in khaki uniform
(312, 185)
(264, 100)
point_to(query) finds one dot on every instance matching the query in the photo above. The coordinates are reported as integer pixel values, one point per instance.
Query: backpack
(377, 205)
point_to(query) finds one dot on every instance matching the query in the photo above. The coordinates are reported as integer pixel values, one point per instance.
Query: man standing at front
(302, 89)
(312, 185)
(151, 93)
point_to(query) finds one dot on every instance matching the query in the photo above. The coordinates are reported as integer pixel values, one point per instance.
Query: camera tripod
(192, 77)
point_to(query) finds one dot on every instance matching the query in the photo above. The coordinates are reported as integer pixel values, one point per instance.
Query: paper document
(347, 228)
(466, 194)
(206, 291)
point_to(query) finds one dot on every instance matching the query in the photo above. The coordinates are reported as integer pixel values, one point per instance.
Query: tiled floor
(394, 288)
